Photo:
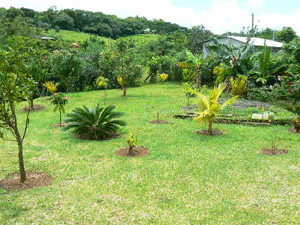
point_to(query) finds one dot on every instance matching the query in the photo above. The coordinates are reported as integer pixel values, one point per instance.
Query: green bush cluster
(239, 86)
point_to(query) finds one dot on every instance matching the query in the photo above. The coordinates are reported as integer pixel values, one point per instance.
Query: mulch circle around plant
(140, 151)
(34, 180)
(214, 132)
(35, 108)
(160, 122)
(60, 125)
(274, 151)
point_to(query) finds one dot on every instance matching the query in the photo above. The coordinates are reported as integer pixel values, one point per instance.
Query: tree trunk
(21, 159)
(60, 118)
(131, 151)
(198, 79)
(124, 92)
(31, 103)
(210, 128)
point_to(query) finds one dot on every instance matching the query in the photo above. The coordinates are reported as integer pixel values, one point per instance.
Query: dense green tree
(196, 36)
(287, 34)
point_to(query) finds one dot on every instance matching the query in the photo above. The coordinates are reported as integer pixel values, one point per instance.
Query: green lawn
(187, 178)
(72, 36)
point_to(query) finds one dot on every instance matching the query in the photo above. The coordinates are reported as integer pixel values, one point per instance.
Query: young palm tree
(59, 100)
(209, 107)
(98, 123)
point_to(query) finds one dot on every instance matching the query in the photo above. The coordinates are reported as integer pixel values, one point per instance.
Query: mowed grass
(142, 39)
(73, 36)
(187, 178)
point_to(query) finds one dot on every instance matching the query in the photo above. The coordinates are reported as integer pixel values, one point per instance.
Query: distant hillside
(97, 23)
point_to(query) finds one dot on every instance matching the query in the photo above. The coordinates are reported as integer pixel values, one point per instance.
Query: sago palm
(98, 123)
(209, 107)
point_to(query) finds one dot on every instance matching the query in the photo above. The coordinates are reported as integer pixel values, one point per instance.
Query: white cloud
(255, 3)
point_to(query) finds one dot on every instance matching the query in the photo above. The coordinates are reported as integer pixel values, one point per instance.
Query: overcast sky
(219, 16)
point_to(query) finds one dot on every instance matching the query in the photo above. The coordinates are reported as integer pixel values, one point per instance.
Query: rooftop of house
(258, 41)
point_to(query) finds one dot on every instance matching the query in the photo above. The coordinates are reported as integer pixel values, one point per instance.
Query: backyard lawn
(187, 178)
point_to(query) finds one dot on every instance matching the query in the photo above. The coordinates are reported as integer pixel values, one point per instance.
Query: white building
(237, 42)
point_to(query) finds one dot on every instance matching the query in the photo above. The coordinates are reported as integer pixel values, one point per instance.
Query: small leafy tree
(209, 107)
(102, 82)
(14, 88)
(132, 141)
(123, 85)
(59, 100)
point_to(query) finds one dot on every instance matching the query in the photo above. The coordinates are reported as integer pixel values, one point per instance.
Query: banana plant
(194, 61)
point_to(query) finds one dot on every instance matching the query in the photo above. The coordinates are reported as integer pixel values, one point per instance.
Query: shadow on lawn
(9, 208)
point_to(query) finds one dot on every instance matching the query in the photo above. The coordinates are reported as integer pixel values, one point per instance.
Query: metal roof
(258, 41)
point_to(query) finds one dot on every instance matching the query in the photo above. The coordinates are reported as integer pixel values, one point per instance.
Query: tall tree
(287, 34)
(196, 36)
(14, 88)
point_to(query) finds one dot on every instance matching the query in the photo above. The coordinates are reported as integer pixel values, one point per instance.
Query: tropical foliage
(59, 100)
(15, 86)
(209, 106)
(99, 123)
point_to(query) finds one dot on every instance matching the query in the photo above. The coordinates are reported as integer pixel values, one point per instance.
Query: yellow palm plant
(209, 107)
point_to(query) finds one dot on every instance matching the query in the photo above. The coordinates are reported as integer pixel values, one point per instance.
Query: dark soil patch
(60, 125)
(160, 122)
(93, 138)
(274, 151)
(139, 152)
(294, 131)
(35, 108)
(34, 180)
(205, 132)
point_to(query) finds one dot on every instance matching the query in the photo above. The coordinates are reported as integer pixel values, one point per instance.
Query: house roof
(258, 41)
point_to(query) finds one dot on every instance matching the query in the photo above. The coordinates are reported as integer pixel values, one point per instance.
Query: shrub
(239, 86)
(164, 77)
(99, 123)
(296, 124)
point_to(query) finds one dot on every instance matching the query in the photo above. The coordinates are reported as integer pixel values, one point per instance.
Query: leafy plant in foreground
(209, 107)
(59, 100)
(98, 123)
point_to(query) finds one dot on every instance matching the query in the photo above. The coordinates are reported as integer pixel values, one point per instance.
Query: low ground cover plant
(98, 124)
